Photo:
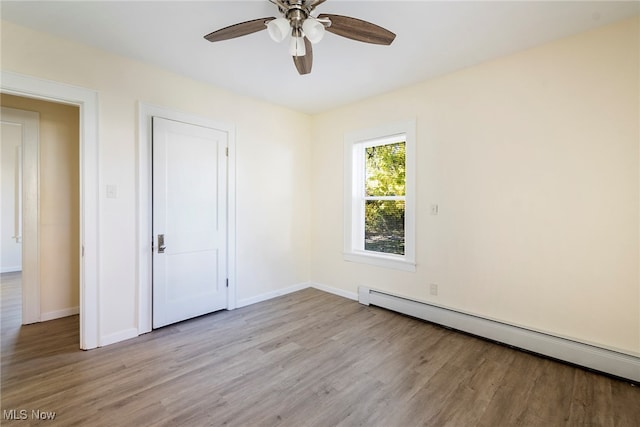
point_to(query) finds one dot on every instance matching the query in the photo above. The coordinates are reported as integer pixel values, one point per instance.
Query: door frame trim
(145, 209)
(30, 122)
(87, 102)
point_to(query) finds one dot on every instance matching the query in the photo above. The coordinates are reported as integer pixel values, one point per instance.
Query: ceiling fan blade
(357, 29)
(304, 63)
(315, 3)
(238, 30)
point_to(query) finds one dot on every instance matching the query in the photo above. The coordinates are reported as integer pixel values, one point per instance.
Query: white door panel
(189, 210)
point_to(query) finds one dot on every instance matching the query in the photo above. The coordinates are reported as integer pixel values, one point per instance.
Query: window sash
(356, 144)
(392, 198)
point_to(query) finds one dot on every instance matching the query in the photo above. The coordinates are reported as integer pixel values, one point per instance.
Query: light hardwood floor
(305, 359)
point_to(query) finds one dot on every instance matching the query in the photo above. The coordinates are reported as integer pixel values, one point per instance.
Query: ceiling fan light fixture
(313, 29)
(278, 29)
(296, 45)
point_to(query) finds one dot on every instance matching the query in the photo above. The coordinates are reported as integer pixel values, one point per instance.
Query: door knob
(161, 246)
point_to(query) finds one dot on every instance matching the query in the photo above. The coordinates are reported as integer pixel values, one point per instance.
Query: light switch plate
(112, 191)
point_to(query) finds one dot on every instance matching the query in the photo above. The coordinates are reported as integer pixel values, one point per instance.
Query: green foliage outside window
(385, 170)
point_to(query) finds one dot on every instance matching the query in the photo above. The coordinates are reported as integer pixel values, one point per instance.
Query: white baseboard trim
(586, 355)
(335, 291)
(118, 336)
(273, 294)
(12, 269)
(57, 314)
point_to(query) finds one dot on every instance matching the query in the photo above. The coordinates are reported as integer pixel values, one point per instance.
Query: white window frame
(354, 146)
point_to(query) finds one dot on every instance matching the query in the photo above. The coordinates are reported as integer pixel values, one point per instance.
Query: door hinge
(227, 283)
(226, 151)
(82, 250)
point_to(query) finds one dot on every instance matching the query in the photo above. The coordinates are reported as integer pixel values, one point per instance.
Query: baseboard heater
(597, 358)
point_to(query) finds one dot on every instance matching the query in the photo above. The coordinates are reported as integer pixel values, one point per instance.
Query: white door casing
(87, 101)
(146, 112)
(189, 221)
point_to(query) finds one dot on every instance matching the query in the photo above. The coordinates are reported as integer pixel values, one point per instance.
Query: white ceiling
(433, 38)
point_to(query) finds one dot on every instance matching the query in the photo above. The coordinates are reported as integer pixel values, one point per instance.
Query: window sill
(380, 261)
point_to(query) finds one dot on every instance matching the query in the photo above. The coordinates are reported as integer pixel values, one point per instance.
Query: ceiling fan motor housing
(296, 16)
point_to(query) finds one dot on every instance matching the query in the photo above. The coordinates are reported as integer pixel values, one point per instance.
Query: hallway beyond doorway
(14, 334)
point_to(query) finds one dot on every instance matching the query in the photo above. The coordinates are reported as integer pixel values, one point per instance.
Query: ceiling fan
(305, 29)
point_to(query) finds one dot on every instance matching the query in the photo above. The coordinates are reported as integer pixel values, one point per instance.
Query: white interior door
(27, 230)
(11, 207)
(189, 221)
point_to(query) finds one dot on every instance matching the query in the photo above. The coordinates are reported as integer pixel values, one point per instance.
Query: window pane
(384, 226)
(385, 170)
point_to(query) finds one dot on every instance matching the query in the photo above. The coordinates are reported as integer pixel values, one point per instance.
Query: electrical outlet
(433, 289)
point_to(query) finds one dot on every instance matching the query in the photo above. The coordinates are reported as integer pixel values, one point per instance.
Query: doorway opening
(41, 208)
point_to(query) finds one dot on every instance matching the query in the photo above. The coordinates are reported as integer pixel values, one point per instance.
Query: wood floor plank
(626, 404)
(304, 359)
(592, 395)
(550, 395)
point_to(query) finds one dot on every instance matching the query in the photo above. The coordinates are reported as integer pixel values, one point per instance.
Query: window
(379, 196)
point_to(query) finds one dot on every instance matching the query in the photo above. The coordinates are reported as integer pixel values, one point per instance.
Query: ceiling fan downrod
(298, 11)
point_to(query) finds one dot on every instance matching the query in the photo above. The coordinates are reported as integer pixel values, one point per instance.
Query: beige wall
(533, 159)
(272, 163)
(534, 162)
(59, 203)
